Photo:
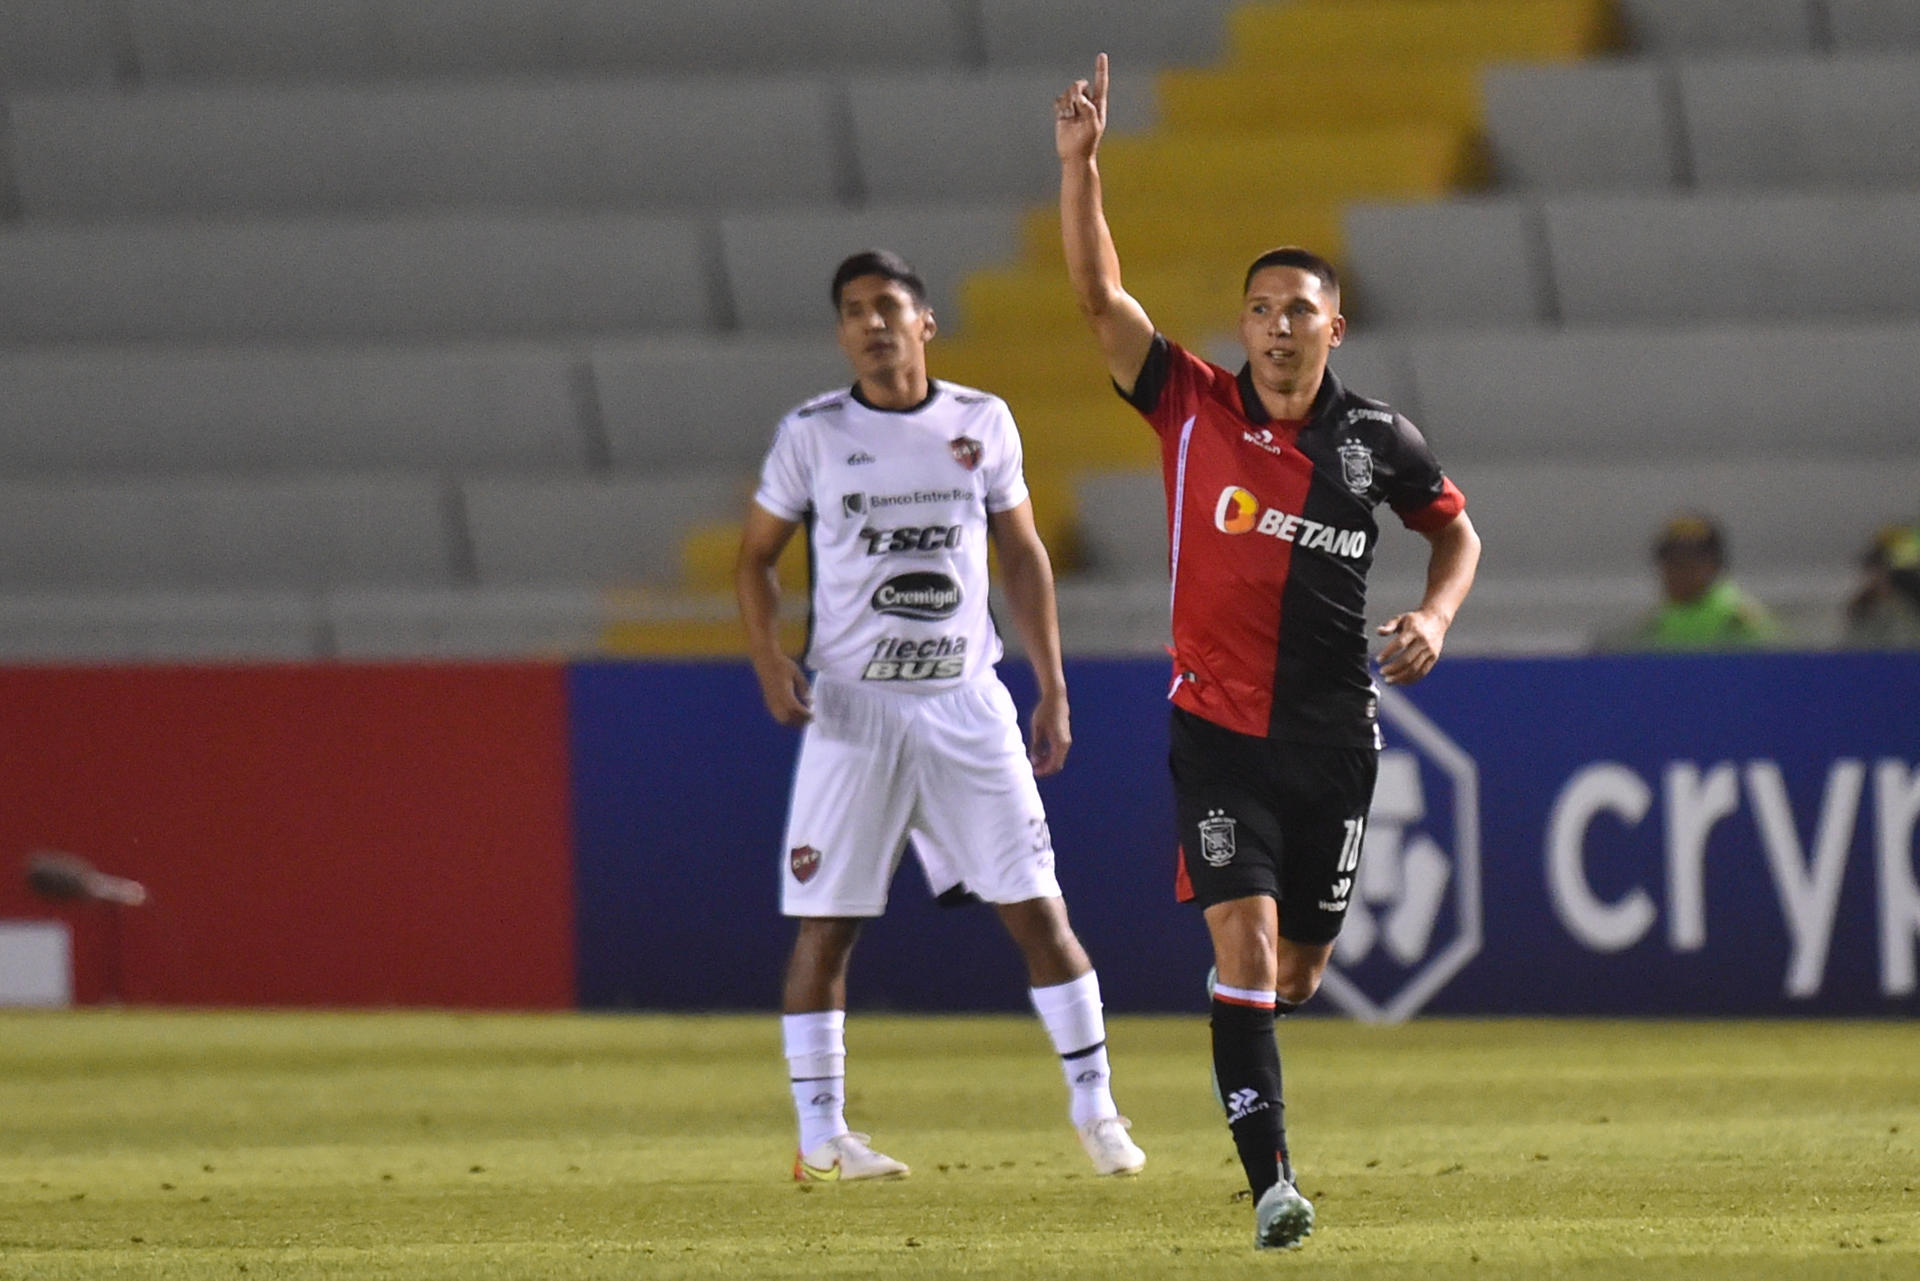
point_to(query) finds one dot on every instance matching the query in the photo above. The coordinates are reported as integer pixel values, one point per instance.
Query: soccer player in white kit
(899, 481)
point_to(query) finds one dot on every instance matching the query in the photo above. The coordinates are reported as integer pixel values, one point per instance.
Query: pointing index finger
(1100, 81)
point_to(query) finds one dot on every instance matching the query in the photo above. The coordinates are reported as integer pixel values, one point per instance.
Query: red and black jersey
(1270, 536)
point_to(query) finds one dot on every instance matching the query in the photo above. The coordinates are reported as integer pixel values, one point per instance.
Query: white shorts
(948, 769)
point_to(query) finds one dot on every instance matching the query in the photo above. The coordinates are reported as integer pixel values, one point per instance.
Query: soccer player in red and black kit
(1272, 477)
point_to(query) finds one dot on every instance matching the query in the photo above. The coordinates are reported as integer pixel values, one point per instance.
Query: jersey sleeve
(1171, 385)
(786, 477)
(1417, 490)
(1007, 481)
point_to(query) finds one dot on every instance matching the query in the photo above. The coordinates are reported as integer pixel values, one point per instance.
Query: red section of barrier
(351, 835)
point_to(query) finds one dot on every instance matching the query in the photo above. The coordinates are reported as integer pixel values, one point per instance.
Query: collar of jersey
(860, 398)
(1324, 400)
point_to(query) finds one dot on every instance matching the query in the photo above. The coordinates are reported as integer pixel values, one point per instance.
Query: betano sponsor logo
(1240, 512)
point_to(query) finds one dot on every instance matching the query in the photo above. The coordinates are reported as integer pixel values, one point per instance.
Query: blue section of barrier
(680, 789)
(1672, 835)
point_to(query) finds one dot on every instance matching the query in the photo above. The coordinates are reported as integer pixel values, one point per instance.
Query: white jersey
(896, 507)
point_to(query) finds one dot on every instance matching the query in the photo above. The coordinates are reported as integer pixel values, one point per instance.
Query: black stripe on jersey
(809, 519)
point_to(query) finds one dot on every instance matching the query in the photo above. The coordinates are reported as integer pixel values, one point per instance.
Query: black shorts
(1265, 817)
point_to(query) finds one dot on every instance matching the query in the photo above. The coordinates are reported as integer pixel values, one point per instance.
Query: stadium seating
(152, 624)
(1813, 121)
(778, 265)
(364, 39)
(582, 531)
(1694, 27)
(1582, 126)
(434, 274)
(1873, 24)
(383, 327)
(156, 409)
(280, 532)
(497, 145)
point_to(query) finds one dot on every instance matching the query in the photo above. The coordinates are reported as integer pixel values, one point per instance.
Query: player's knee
(1296, 987)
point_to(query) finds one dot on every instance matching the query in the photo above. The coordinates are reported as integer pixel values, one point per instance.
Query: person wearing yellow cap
(1702, 608)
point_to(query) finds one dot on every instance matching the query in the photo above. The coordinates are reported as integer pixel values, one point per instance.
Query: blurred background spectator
(1701, 607)
(1884, 613)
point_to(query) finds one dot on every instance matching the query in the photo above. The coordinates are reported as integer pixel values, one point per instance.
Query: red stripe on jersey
(1436, 514)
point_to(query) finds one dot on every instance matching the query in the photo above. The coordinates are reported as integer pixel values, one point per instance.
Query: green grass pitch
(403, 1146)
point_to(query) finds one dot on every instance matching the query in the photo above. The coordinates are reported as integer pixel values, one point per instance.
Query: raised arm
(1026, 574)
(782, 684)
(1118, 321)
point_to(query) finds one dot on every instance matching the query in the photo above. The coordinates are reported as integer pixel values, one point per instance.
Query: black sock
(1246, 1064)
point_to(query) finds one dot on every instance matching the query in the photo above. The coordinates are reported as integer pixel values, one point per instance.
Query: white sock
(1071, 1013)
(816, 1050)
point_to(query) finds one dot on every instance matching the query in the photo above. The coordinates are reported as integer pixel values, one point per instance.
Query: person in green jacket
(1702, 608)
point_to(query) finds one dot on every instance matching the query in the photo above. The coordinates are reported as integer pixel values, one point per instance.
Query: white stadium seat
(1585, 126)
(1137, 34)
(465, 275)
(147, 625)
(56, 43)
(361, 39)
(622, 530)
(572, 143)
(779, 266)
(169, 409)
(1694, 27)
(947, 136)
(283, 533)
(1735, 257)
(1778, 122)
(1583, 397)
(1867, 26)
(1463, 262)
(681, 403)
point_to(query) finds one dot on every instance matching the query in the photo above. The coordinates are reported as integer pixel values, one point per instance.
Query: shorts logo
(1356, 466)
(804, 862)
(966, 451)
(853, 504)
(1217, 838)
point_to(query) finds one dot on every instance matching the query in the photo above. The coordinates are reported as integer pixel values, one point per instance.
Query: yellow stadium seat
(1363, 95)
(1323, 33)
(1207, 169)
(1156, 235)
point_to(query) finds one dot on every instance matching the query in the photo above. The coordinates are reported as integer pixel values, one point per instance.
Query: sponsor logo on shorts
(1238, 511)
(966, 451)
(1042, 835)
(897, 658)
(924, 596)
(1217, 838)
(803, 862)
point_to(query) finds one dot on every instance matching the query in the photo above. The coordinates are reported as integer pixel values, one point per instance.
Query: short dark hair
(884, 263)
(1294, 256)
